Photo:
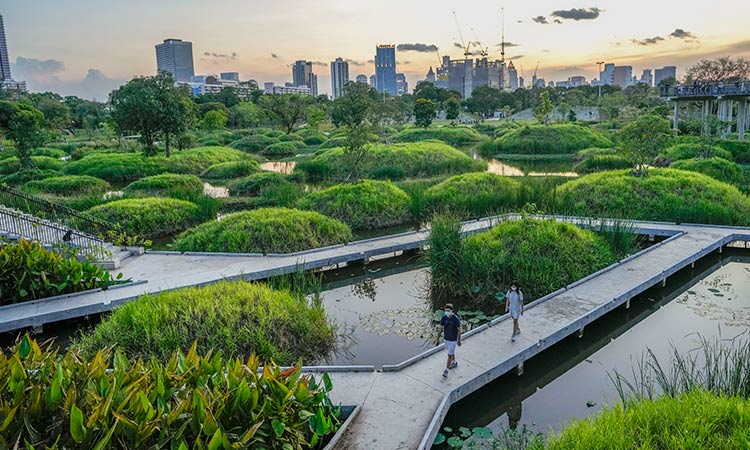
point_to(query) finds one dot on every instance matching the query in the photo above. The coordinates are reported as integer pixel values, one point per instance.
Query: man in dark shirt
(452, 334)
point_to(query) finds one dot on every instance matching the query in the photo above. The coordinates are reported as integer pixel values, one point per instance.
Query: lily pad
(481, 432)
(439, 439)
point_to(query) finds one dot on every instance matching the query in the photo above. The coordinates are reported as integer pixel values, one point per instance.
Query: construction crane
(467, 48)
(440, 58)
(482, 50)
(533, 79)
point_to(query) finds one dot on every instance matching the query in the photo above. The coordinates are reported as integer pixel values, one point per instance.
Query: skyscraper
(362, 79)
(339, 77)
(607, 76)
(302, 75)
(647, 78)
(176, 57)
(4, 58)
(512, 76)
(385, 69)
(664, 73)
(230, 76)
(373, 81)
(623, 76)
(430, 78)
(402, 86)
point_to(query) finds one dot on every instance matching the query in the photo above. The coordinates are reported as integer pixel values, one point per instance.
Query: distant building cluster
(7, 83)
(622, 76)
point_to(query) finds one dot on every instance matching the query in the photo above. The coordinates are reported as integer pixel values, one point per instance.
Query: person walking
(514, 304)
(452, 334)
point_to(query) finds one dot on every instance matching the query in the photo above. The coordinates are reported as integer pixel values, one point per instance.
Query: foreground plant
(191, 402)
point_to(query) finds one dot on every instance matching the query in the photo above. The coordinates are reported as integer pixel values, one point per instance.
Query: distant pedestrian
(514, 304)
(452, 334)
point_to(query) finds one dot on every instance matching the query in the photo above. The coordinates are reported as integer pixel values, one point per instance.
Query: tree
(424, 112)
(353, 111)
(56, 113)
(543, 111)
(642, 140)
(315, 116)
(485, 100)
(724, 69)
(285, 110)
(452, 108)
(152, 107)
(214, 120)
(244, 115)
(23, 124)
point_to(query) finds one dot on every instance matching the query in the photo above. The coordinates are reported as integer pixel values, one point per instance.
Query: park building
(176, 57)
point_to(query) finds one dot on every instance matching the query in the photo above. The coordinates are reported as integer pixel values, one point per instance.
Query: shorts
(450, 346)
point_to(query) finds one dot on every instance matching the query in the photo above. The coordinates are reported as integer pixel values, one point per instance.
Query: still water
(531, 168)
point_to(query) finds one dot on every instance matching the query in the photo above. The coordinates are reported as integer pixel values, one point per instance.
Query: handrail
(698, 89)
(63, 215)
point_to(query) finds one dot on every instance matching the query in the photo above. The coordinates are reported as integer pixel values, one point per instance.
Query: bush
(472, 195)
(229, 170)
(334, 142)
(546, 139)
(190, 401)
(115, 167)
(599, 163)
(237, 319)
(183, 187)
(740, 150)
(196, 160)
(23, 176)
(664, 194)
(12, 165)
(593, 151)
(269, 230)
(422, 159)
(496, 129)
(316, 139)
(255, 184)
(21, 266)
(254, 144)
(542, 255)
(55, 153)
(286, 148)
(449, 135)
(71, 185)
(149, 217)
(364, 205)
(718, 168)
(688, 151)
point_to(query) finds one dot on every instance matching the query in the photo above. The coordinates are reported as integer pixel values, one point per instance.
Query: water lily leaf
(439, 439)
(481, 432)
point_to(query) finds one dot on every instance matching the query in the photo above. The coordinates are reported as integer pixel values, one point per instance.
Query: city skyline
(51, 47)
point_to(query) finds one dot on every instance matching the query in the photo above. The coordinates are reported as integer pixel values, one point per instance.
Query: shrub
(22, 265)
(254, 144)
(229, 170)
(593, 151)
(11, 165)
(237, 319)
(472, 195)
(316, 139)
(599, 163)
(115, 167)
(286, 148)
(334, 142)
(55, 153)
(23, 176)
(740, 150)
(256, 183)
(268, 230)
(718, 168)
(189, 401)
(196, 160)
(688, 151)
(364, 205)
(543, 255)
(71, 185)
(449, 135)
(183, 187)
(496, 129)
(664, 194)
(149, 217)
(547, 139)
(422, 159)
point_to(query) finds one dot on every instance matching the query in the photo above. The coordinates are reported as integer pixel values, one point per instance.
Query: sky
(88, 47)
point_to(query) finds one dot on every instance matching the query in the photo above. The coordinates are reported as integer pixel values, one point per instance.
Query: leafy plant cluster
(149, 217)
(449, 135)
(472, 195)
(230, 170)
(543, 139)
(183, 187)
(70, 185)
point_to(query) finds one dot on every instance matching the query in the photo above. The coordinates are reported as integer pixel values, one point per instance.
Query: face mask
(514, 288)
(449, 314)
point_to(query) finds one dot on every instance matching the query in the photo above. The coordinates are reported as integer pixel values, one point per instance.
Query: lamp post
(599, 63)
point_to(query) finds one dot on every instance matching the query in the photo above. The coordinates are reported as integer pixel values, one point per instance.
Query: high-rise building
(176, 57)
(230, 76)
(512, 76)
(430, 78)
(373, 81)
(461, 76)
(664, 73)
(4, 57)
(607, 76)
(302, 75)
(402, 86)
(385, 69)
(623, 76)
(339, 77)
(361, 79)
(647, 78)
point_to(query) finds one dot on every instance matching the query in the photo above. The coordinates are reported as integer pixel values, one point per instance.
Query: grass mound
(71, 185)
(599, 163)
(689, 151)
(230, 170)
(364, 205)
(255, 143)
(115, 167)
(24, 176)
(449, 135)
(718, 168)
(266, 230)
(664, 194)
(184, 187)
(13, 164)
(255, 184)
(237, 319)
(546, 139)
(49, 152)
(196, 160)
(412, 160)
(149, 217)
(472, 195)
(285, 148)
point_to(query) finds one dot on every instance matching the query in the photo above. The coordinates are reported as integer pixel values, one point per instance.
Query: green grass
(267, 230)
(183, 187)
(236, 319)
(196, 160)
(68, 186)
(254, 144)
(689, 151)
(255, 184)
(285, 148)
(740, 149)
(149, 217)
(116, 167)
(545, 139)
(364, 205)
(472, 195)
(12, 165)
(24, 176)
(600, 163)
(230, 170)
(49, 152)
(718, 168)
(450, 135)
(664, 194)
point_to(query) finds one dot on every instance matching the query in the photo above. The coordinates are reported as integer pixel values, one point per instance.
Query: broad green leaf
(77, 429)
(278, 427)
(215, 442)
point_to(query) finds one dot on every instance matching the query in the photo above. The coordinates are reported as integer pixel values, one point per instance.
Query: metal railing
(16, 225)
(737, 88)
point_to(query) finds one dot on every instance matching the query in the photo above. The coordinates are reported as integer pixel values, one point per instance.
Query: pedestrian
(452, 334)
(514, 304)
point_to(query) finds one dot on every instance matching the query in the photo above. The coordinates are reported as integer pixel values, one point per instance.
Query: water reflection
(285, 167)
(215, 191)
(506, 169)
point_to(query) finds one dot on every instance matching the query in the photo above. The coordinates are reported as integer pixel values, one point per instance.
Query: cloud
(274, 56)
(370, 61)
(215, 57)
(421, 48)
(540, 19)
(679, 33)
(577, 13)
(457, 45)
(46, 75)
(648, 41)
(519, 21)
(355, 63)
(558, 21)
(30, 68)
(319, 63)
(513, 58)
(507, 44)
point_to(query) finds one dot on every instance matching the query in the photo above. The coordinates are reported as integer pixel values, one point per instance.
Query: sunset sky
(86, 47)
